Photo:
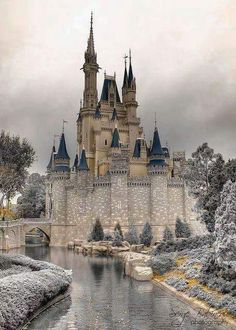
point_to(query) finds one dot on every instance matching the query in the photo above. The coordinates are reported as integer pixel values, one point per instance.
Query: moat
(103, 298)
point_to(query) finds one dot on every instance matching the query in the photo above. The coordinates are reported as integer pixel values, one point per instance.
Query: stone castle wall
(118, 198)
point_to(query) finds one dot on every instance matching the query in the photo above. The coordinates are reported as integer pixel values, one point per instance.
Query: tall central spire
(90, 47)
(90, 69)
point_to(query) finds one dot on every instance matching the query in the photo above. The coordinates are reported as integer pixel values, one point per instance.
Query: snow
(26, 286)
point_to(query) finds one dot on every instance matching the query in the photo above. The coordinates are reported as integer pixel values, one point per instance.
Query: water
(102, 298)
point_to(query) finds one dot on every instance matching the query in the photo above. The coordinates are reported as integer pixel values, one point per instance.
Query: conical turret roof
(83, 165)
(76, 161)
(115, 139)
(49, 167)
(156, 145)
(62, 151)
(114, 115)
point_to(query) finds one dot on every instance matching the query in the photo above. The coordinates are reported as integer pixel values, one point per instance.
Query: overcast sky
(184, 60)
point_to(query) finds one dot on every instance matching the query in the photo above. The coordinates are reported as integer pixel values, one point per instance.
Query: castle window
(105, 142)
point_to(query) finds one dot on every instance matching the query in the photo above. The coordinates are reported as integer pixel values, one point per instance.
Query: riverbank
(26, 285)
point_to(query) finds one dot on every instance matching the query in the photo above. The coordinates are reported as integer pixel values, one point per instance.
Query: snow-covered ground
(25, 286)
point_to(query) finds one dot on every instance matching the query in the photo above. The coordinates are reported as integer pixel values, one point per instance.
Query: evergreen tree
(225, 226)
(117, 238)
(211, 200)
(182, 229)
(131, 236)
(146, 235)
(97, 232)
(118, 227)
(168, 235)
(230, 170)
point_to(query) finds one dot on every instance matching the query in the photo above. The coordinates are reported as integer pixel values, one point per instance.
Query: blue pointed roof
(83, 165)
(62, 151)
(114, 115)
(105, 90)
(76, 161)
(115, 139)
(131, 76)
(137, 149)
(98, 111)
(49, 167)
(125, 80)
(156, 145)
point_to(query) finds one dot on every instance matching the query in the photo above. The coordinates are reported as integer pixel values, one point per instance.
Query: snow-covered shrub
(192, 273)
(118, 227)
(168, 235)
(97, 232)
(146, 235)
(178, 283)
(117, 241)
(183, 244)
(162, 264)
(131, 236)
(24, 293)
(182, 229)
(108, 237)
(225, 227)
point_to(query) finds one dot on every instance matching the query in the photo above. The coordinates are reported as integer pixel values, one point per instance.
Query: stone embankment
(103, 247)
(26, 286)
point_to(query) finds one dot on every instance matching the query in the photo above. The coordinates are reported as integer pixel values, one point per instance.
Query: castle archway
(36, 236)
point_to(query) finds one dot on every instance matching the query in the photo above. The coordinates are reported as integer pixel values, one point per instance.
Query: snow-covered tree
(146, 235)
(97, 233)
(211, 200)
(31, 203)
(225, 227)
(118, 227)
(182, 229)
(230, 170)
(168, 235)
(117, 241)
(16, 156)
(131, 236)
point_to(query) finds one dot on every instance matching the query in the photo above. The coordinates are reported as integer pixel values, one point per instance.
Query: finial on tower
(130, 55)
(63, 125)
(155, 120)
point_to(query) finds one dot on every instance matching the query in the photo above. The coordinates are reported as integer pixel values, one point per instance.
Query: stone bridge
(12, 232)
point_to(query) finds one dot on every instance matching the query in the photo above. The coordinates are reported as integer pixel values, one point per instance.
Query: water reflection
(101, 298)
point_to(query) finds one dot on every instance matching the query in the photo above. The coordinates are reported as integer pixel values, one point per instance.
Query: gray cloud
(183, 59)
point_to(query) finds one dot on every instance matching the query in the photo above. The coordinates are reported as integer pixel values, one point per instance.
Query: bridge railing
(9, 223)
(35, 220)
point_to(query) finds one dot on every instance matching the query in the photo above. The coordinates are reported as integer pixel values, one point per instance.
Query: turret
(62, 159)
(90, 69)
(83, 166)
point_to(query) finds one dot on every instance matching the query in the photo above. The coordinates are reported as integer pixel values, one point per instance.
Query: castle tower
(90, 69)
(158, 171)
(51, 163)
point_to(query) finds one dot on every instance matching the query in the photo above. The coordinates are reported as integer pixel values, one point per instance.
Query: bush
(108, 237)
(178, 283)
(182, 229)
(118, 227)
(117, 238)
(97, 232)
(168, 235)
(131, 236)
(146, 235)
(162, 264)
(186, 243)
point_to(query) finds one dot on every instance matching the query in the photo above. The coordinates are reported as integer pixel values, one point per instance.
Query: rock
(79, 249)
(78, 242)
(136, 248)
(140, 273)
(71, 245)
(117, 249)
(125, 243)
(132, 260)
(99, 249)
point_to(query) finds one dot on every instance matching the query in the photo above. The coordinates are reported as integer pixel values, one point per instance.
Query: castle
(117, 177)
